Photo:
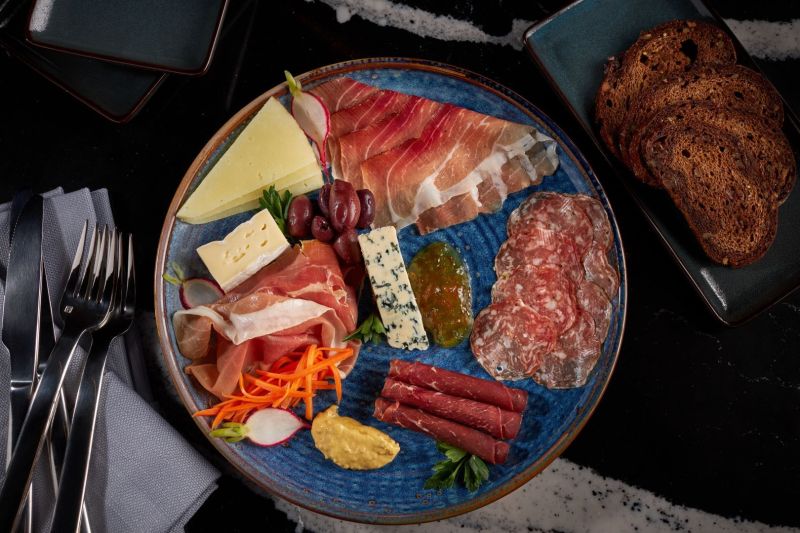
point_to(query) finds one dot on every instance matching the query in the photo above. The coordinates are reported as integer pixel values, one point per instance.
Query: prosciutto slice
(471, 159)
(299, 299)
(342, 93)
(357, 146)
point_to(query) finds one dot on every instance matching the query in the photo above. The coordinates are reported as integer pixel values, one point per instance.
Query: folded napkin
(144, 476)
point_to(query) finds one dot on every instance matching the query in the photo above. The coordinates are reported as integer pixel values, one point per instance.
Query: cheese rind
(392, 288)
(270, 148)
(247, 249)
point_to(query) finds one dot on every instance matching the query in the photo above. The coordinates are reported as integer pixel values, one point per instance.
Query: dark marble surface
(701, 414)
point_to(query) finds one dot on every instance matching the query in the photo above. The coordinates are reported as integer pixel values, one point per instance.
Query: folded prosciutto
(299, 299)
(428, 163)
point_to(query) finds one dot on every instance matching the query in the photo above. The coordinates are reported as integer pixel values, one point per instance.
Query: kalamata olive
(343, 206)
(367, 201)
(324, 198)
(298, 217)
(321, 229)
(347, 247)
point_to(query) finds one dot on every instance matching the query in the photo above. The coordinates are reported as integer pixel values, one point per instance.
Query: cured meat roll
(457, 384)
(471, 440)
(497, 422)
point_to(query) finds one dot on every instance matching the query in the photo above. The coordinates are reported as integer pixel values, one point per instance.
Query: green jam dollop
(441, 286)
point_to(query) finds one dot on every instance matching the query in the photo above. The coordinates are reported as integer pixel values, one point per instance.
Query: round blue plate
(395, 494)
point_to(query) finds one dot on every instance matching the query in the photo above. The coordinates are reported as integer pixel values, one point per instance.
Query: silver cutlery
(22, 312)
(85, 307)
(56, 444)
(72, 485)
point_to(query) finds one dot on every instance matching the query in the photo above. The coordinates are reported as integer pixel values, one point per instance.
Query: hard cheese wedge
(301, 182)
(389, 279)
(244, 251)
(270, 150)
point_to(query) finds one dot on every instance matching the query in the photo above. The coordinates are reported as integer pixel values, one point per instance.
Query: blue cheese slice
(389, 279)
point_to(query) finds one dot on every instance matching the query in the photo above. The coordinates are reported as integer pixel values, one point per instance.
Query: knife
(21, 312)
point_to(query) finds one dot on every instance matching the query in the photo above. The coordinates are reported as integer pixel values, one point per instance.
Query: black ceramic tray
(174, 36)
(571, 48)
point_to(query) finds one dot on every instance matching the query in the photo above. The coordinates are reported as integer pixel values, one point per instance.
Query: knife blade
(22, 311)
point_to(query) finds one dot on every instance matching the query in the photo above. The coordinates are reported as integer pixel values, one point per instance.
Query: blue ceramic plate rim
(199, 70)
(164, 326)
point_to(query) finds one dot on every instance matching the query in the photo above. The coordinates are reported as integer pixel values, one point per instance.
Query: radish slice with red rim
(193, 292)
(199, 291)
(267, 427)
(312, 116)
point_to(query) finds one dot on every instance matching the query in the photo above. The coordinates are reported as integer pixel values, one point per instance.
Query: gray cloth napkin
(144, 476)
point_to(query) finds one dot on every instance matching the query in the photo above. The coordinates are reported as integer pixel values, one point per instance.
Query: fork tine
(106, 292)
(88, 272)
(130, 285)
(75, 269)
(119, 277)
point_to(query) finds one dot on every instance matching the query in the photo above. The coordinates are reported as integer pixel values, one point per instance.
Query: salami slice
(599, 270)
(458, 384)
(490, 419)
(602, 227)
(557, 212)
(545, 289)
(466, 438)
(594, 301)
(509, 339)
(539, 246)
(573, 359)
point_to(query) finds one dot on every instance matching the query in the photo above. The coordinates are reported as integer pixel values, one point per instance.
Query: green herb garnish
(177, 277)
(458, 466)
(277, 205)
(370, 330)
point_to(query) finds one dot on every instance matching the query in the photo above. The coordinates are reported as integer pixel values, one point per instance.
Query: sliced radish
(193, 291)
(199, 291)
(312, 116)
(267, 427)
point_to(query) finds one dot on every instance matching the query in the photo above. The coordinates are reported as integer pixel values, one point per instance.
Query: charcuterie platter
(434, 257)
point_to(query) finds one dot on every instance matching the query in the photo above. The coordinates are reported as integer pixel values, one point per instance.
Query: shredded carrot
(292, 378)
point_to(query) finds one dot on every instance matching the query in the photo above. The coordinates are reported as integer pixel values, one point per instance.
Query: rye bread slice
(669, 48)
(765, 145)
(727, 87)
(708, 176)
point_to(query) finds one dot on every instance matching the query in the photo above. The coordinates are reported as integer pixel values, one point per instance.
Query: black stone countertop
(701, 414)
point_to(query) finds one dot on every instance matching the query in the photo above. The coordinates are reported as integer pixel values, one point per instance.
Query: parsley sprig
(370, 330)
(277, 205)
(458, 466)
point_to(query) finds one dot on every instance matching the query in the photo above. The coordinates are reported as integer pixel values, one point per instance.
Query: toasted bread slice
(767, 146)
(666, 49)
(709, 177)
(731, 87)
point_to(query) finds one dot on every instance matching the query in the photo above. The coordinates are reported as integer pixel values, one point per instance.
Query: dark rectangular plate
(115, 91)
(174, 36)
(571, 47)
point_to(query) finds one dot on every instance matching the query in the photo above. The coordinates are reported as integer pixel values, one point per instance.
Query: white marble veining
(424, 23)
(565, 497)
(768, 39)
(763, 39)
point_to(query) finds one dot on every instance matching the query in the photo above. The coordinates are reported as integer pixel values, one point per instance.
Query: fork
(85, 307)
(72, 486)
